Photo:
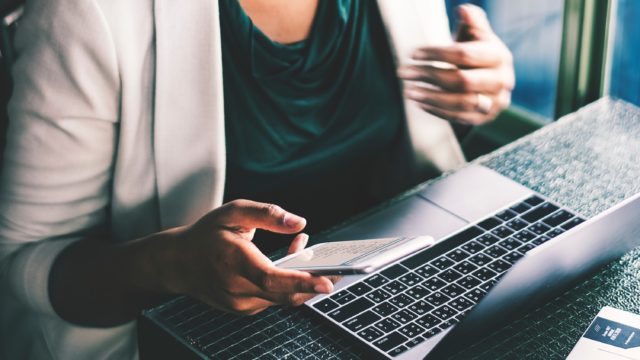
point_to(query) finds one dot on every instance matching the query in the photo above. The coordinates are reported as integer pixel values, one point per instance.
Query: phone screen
(343, 253)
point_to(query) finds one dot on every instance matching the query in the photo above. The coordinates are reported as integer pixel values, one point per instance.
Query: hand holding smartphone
(353, 256)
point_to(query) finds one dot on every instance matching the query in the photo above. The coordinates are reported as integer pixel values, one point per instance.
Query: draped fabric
(305, 122)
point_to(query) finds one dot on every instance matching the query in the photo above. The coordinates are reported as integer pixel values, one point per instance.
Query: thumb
(246, 215)
(473, 24)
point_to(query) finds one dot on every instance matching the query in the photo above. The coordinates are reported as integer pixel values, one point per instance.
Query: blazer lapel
(189, 144)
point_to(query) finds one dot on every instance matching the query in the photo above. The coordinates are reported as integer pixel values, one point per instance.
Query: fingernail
(412, 94)
(304, 241)
(294, 221)
(323, 288)
(420, 55)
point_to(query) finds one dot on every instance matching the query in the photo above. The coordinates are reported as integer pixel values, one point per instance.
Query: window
(624, 62)
(533, 32)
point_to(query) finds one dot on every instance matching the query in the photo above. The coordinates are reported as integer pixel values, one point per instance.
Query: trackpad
(413, 216)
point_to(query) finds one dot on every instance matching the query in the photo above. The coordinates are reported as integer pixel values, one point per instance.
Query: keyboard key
(468, 282)
(387, 325)
(457, 255)
(510, 243)
(448, 323)
(432, 332)
(378, 296)
(502, 232)
(415, 342)
(361, 321)
(524, 236)
(517, 224)
(359, 289)
(555, 232)
(472, 247)
(433, 283)
(401, 300)
(390, 341)
(428, 321)
(410, 279)
(490, 223)
(436, 299)
(512, 257)
(397, 351)
(487, 239)
(449, 275)
(540, 240)
(539, 212)
(325, 305)
(481, 259)
(465, 267)
(557, 218)
(499, 266)
(534, 200)
(572, 223)
(351, 309)
(427, 271)
(376, 280)
(453, 290)
(339, 295)
(346, 298)
(484, 274)
(538, 228)
(411, 330)
(394, 287)
(403, 316)
(461, 303)
(442, 263)
(394, 271)
(420, 307)
(444, 312)
(525, 248)
(506, 215)
(488, 285)
(520, 208)
(417, 292)
(385, 309)
(495, 251)
(370, 333)
(475, 295)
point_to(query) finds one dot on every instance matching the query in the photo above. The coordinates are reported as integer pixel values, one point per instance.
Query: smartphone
(353, 256)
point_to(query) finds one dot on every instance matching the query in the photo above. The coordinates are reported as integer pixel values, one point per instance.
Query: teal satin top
(305, 122)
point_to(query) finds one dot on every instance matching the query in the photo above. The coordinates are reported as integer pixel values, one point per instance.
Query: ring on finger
(483, 103)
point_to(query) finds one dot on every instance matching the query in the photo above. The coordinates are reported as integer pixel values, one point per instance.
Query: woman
(122, 148)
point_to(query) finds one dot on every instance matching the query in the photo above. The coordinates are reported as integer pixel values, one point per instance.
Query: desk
(588, 161)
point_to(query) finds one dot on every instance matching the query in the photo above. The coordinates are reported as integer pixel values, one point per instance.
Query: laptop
(501, 248)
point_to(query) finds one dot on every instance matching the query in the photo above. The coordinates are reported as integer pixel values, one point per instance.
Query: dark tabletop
(587, 161)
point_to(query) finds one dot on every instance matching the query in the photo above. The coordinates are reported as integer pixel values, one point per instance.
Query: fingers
(475, 21)
(261, 271)
(471, 54)
(458, 108)
(473, 80)
(246, 215)
(298, 243)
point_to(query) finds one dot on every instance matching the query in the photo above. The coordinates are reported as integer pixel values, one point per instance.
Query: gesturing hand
(218, 264)
(478, 84)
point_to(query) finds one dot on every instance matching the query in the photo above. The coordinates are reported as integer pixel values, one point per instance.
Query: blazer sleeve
(58, 163)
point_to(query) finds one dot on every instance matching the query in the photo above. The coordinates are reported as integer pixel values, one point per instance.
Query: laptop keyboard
(407, 303)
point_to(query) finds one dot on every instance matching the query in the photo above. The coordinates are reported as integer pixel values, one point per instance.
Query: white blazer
(117, 127)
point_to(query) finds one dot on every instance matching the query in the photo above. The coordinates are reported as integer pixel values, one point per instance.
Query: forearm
(97, 283)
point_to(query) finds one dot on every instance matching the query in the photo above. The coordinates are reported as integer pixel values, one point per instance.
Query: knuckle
(272, 210)
(464, 54)
(266, 281)
(462, 81)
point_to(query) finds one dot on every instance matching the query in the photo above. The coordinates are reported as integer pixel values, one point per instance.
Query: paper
(613, 335)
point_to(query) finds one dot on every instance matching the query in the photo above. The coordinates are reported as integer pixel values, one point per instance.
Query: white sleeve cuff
(28, 273)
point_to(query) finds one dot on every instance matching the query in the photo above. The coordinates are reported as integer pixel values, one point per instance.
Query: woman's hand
(215, 261)
(478, 84)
